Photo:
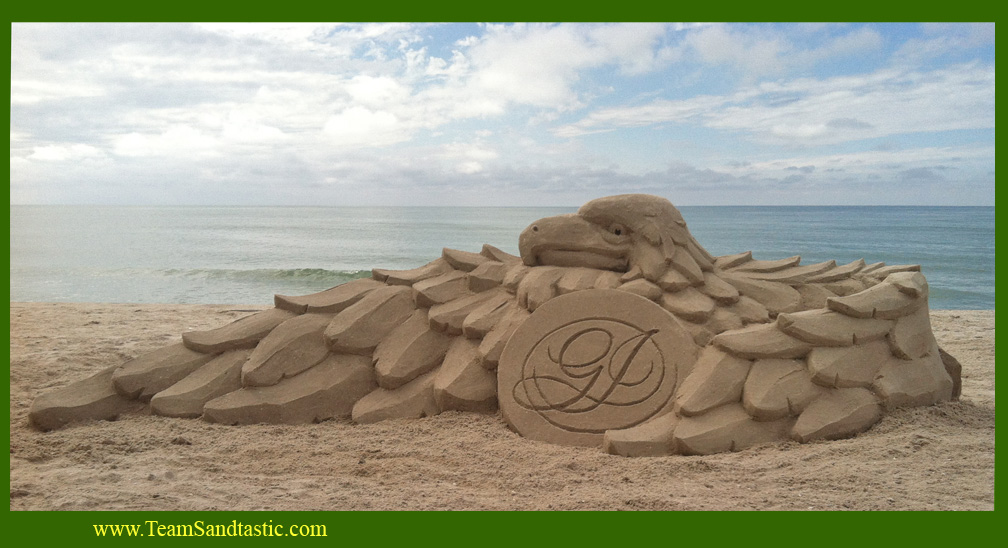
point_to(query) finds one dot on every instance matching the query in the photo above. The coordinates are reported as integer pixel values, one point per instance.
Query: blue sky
(526, 114)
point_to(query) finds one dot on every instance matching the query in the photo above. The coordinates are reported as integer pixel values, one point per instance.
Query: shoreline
(932, 458)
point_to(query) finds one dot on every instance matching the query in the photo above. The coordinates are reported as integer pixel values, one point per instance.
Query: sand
(934, 458)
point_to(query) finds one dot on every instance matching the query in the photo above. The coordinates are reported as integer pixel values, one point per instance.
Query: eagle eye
(617, 229)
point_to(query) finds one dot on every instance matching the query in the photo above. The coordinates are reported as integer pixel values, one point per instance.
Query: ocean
(243, 255)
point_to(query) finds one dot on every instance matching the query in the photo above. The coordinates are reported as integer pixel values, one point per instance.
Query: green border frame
(645, 529)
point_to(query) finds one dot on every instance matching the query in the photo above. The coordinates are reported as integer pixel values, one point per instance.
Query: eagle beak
(569, 240)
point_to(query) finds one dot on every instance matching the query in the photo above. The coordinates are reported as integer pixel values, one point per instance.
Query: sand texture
(932, 458)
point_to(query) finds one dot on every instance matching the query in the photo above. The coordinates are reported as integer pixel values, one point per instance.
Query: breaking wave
(297, 275)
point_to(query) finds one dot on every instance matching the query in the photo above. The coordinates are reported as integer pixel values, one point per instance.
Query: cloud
(660, 111)
(761, 50)
(746, 51)
(35, 91)
(242, 127)
(944, 40)
(359, 126)
(376, 92)
(930, 154)
(469, 158)
(540, 65)
(827, 111)
(175, 140)
(857, 42)
(378, 112)
(921, 174)
(64, 153)
(848, 123)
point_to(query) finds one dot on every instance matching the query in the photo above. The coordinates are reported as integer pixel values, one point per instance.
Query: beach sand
(933, 458)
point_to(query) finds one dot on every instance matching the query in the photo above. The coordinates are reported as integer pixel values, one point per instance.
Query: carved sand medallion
(588, 362)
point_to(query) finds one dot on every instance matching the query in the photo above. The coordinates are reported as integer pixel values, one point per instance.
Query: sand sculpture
(614, 328)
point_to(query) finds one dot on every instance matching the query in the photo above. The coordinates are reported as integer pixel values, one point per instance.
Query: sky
(501, 114)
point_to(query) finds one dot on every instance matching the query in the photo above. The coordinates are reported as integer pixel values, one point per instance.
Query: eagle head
(620, 233)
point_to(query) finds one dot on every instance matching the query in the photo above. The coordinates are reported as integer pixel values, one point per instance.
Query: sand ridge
(938, 458)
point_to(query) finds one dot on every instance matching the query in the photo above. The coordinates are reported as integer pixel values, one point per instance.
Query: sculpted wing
(839, 346)
(401, 344)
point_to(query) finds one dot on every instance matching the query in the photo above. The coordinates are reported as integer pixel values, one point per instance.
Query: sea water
(243, 255)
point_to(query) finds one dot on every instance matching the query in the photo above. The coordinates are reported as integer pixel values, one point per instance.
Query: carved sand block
(719, 290)
(463, 260)
(486, 276)
(413, 400)
(538, 286)
(359, 328)
(813, 295)
(643, 288)
(777, 388)
(331, 300)
(462, 383)
(838, 414)
(148, 374)
(828, 328)
(838, 273)
(717, 378)
(294, 346)
(243, 333)
(92, 398)
(775, 296)
(500, 256)
(450, 317)
(589, 362)
(688, 304)
(441, 289)
(651, 439)
(792, 274)
(187, 397)
(612, 328)
(411, 277)
(579, 279)
(481, 319)
(411, 350)
(495, 340)
(330, 389)
(848, 367)
(726, 428)
(723, 320)
(749, 311)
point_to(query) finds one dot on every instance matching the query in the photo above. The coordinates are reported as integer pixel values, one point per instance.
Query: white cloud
(505, 107)
(631, 45)
(377, 92)
(176, 140)
(540, 65)
(885, 103)
(876, 162)
(28, 92)
(469, 168)
(862, 40)
(469, 158)
(761, 50)
(943, 40)
(242, 127)
(337, 39)
(815, 112)
(746, 51)
(656, 112)
(361, 127)
(64, 153)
